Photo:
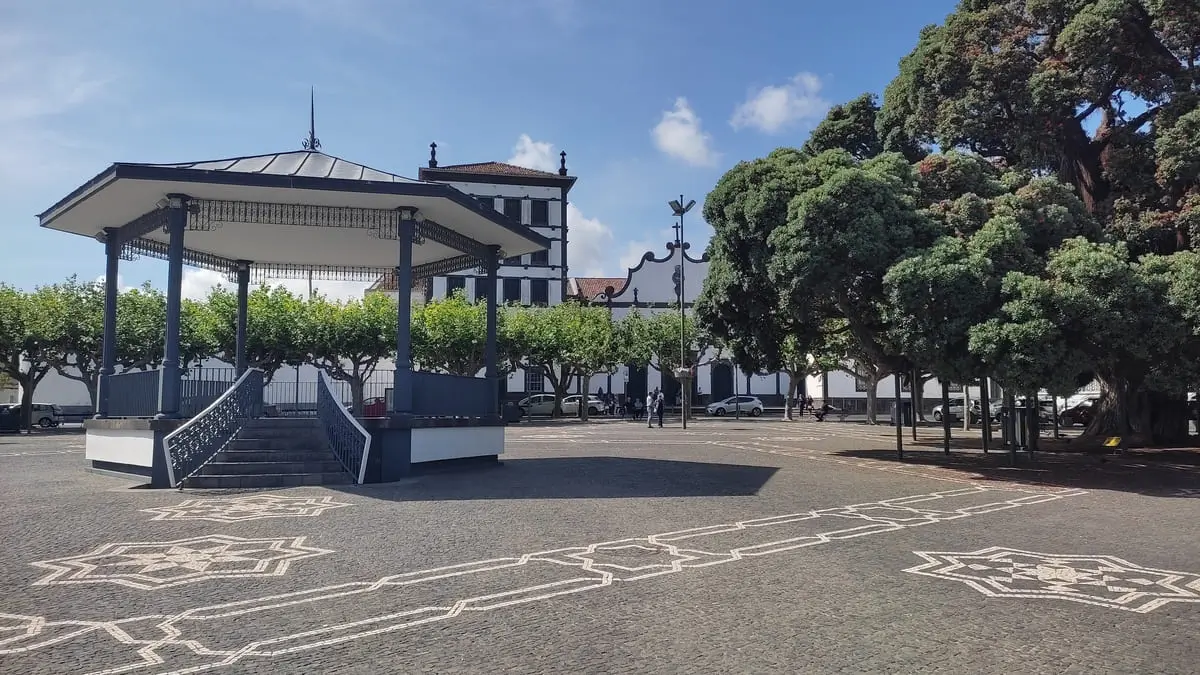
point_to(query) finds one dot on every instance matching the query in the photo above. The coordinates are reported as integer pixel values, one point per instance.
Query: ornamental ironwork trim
(142, 225)
(160, 250)
(194, 444)
(210, 214)
(447, 237)
(443, 267)
(266, 271)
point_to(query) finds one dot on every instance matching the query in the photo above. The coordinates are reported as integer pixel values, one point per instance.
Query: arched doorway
(721, 381)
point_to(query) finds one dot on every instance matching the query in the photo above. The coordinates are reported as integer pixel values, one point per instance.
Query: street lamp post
(679, 209)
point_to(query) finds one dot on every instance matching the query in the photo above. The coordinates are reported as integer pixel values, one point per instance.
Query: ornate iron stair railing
(348, 439)
(194, 444)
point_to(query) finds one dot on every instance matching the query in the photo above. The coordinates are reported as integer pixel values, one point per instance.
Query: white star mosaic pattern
(153, 565)
(199, 639)
(1100, 580)
(252, 507)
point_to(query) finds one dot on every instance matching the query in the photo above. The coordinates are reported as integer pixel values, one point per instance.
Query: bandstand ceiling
(124, 192)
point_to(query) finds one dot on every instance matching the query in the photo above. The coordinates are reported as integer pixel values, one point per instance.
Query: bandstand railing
(194, 444)
(349, 441)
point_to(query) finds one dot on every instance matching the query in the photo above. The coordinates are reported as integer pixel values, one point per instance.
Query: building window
(482, 289)
(539, 212)
(539, 292)
(539, 258)
(860, 384)
(487, 202)
(535, 380)
(512, 290)
(512, 209)
(514, 260)
(455, 284)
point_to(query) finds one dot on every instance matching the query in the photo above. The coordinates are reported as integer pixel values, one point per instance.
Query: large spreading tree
(1105, 96)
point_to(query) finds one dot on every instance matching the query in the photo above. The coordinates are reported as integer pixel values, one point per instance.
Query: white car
(748, 405)
(543, 404)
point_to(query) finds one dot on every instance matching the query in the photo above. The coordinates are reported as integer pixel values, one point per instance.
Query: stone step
(262, 468)
(280, 444)
(281, 455)
(284, 423)
(280, 432)
(268, 480)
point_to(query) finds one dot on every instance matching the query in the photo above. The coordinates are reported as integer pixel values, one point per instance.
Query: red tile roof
(593, 287)
(495, 168)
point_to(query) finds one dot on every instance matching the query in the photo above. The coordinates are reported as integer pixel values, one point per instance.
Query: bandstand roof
(302, 211)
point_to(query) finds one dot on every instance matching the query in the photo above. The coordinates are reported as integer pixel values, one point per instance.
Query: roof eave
(212, 177)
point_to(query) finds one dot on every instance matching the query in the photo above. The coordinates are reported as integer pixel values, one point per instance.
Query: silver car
(750, 405)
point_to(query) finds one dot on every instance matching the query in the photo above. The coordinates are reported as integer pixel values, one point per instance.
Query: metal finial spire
(312, 143)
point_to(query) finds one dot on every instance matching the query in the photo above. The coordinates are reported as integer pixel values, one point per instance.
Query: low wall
(435, 445)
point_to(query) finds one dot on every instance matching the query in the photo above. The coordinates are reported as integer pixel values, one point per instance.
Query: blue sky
(650, 98)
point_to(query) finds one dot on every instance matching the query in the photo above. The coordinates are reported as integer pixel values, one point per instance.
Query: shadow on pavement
(1089, 472)
(577, 478)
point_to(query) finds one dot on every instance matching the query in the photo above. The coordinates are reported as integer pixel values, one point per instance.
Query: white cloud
(589, 244)
(197, 284)
(531, 154)
(680, 135)
(775, 107)
(40, 80)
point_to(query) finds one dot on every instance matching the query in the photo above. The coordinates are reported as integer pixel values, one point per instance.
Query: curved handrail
(359, 472)
(203, 417)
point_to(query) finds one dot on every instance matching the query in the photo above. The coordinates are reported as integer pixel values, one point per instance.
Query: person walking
(661, 403)
(651, 400)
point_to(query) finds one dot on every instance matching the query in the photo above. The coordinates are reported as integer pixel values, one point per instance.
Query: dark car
(1080, 413)
(10, 417)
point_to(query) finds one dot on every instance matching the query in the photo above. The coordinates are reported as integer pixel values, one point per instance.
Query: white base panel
(435, 445)
(119, 446)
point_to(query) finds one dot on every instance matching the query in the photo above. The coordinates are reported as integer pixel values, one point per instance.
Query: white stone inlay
(152, 565)
(1101, 580)
(250, 507)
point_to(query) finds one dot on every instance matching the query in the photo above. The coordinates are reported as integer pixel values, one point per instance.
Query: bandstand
(288, 215)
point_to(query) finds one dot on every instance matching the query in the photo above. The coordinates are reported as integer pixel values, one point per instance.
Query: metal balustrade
(194, 444)
(347, 438)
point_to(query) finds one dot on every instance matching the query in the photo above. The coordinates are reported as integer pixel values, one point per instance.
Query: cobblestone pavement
(734, 546)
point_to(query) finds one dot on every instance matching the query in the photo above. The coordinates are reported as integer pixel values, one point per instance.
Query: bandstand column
(243, 297)
(108, 359)
(402, 382)
(489, 350)
(169, 394)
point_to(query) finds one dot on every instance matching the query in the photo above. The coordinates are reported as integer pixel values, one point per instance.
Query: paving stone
(735, 546)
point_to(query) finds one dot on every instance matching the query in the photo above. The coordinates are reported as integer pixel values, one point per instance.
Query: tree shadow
(576, 478)
(1126, 473)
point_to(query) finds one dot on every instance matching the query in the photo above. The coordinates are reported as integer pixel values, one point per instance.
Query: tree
(274, 327)
(566, 340)
(142, 325)
(348, 339)
(73, 314)
(24, 344)
(1103, 94)
(450, 335)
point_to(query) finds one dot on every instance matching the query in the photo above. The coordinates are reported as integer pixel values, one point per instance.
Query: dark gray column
(491, 371)
(243, 295)
(169, 391)
(402, 394)
(108, 359)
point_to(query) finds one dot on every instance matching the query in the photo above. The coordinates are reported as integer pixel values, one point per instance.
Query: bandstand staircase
(274, 452)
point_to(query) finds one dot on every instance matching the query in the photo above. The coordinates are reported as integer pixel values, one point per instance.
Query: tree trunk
(583, 398)
(946, 415)
(872, 399)
(1140, 417)
(26, 402)
(1033, 420)
(357, 385)
(793, 385)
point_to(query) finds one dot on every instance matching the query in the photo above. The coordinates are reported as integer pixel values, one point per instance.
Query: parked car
(10, 417)
(749, 405)
(956, 410)
(1080, 413)
(543, 404)
(46, 415)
